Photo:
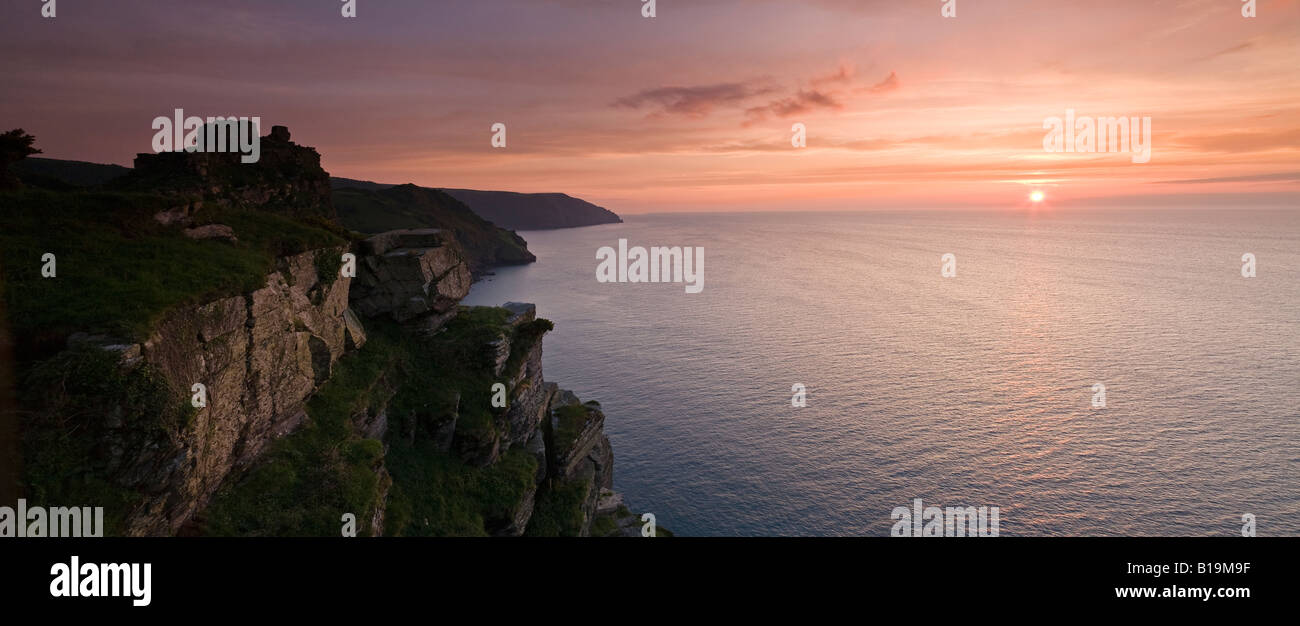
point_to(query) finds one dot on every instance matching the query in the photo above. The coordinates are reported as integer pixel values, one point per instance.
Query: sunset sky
(692, 109)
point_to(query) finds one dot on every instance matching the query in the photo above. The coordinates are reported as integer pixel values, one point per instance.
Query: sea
(1088, 372)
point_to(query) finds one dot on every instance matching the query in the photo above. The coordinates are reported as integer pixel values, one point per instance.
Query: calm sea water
(967, 391)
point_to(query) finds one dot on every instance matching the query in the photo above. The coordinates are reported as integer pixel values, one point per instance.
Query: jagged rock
(260, 356)
(537, 448)
(564, 397)
(212, 231)
(587, 476)
(430, 323)
(377, 516)
(531, 398)
(385, 242)
(520, 312)
(609, 502)
(221, 317)
(179, 214)
(602, 459)
(500, 348)
(411, 275)
(287, 178)
(372, 425)
(354, 334)
(570, 454)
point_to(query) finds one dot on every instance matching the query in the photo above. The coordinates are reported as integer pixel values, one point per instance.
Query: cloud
(809, 100)
(890, 83)
(696, 101)
(1241, 142)
(1252, 178)
(844, 74)
(802, 102)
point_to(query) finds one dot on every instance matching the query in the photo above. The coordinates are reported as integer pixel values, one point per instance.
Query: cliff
(534, 211)
(323, 393)
(507, 209)
(410, 207)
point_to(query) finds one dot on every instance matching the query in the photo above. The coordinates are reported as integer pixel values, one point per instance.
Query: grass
(439, 496)
(569, 422)
(72, 400)
(604, 526)
(310, 478)
(559, 509)
(436, 493)
(117, 270)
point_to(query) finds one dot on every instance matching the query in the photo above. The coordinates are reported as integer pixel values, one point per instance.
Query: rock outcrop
(258, 357)
(286, 179)
(414, 276)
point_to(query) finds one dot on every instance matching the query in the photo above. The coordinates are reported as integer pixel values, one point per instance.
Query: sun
(1036, 196)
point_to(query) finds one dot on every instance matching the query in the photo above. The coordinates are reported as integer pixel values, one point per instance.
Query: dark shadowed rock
(412, 276)
(212, 231)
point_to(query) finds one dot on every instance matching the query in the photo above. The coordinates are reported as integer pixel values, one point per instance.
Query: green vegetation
(435, 492)
(328, 264)
(604, 526)
(526, 335)
(437, 495)
(569, 422)
(558, 512)
(311, 477)
(88, 421)
(15, 145)
(97, 433)
(82, 407)
(409, 206)
(118, 270)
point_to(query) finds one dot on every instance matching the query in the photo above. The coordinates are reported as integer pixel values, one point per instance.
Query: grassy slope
(408, 206)
(118, 270)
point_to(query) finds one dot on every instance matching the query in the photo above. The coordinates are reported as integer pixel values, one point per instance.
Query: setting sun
(1036, 196)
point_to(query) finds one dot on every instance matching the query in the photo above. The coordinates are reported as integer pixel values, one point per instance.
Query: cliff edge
(216, 356)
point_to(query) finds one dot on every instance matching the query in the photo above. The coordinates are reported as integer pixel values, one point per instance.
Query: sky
(693, 109)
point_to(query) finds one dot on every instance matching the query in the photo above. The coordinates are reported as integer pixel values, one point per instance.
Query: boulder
(212, 231)
(411, 275)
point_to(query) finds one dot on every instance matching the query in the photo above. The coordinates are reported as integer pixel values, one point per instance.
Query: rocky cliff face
(264, 355)
(309, 393)
(413, 276)
(259, 356)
